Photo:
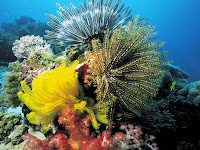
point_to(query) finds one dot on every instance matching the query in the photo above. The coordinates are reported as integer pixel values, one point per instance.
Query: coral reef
(191, 93)
(6, 41)
(80, 138)
(3, 103)
(125, 67)
(16, 141)
(13, 31)
(52, 92)
(25, 26)
(108, 76)
(173, 119)
(7, 123)
(28, 44)
(172, 74)
(91, 20)
(12, 84)
(133, 139)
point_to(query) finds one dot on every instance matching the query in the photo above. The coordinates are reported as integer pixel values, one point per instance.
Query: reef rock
(191, 92)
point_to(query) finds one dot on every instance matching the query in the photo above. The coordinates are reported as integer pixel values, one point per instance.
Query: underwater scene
(99, 75)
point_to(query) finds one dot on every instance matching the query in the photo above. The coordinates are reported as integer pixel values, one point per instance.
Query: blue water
(177, 23)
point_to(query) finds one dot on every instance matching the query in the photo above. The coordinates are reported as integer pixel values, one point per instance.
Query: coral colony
(114, 67)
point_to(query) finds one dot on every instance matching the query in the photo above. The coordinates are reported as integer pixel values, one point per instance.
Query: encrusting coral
(125, 67)
(52, 92)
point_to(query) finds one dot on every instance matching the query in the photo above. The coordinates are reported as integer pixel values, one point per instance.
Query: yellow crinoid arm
(52, 92)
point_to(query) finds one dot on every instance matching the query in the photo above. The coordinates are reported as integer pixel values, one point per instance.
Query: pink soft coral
(133, 139)
(59, 141)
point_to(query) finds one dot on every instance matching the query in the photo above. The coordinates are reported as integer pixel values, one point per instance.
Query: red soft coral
(34, 143)
(79, 134)
(59, 141)
(77, 128)
(106, 140)
(80, 138)
(92, 144)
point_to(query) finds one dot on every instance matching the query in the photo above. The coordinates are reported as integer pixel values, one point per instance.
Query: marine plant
(125, 67)
(79, 26)
(52, 92)
(12, 84)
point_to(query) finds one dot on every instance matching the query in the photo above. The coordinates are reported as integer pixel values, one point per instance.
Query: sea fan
(125, 67)
(79, 26)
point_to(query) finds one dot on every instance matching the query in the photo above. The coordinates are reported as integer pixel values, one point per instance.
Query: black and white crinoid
(80, 26)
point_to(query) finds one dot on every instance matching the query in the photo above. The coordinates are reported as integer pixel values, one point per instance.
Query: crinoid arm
(126, 66)
(79, 26)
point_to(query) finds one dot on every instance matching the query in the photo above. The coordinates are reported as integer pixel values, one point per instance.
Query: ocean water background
(177, 23)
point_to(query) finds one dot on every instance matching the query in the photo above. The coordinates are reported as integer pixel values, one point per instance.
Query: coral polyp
(79, 26)
(125, 67)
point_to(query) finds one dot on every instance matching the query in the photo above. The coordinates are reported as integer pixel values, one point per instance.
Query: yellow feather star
(53, 92)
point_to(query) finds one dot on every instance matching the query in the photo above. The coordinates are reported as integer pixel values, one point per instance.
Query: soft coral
(79, 134)
(59, 141)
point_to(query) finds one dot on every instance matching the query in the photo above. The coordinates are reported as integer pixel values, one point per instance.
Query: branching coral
(27, 44)
(80, 26)
(125, 67)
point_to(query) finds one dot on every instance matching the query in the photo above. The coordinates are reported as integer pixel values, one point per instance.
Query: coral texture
(133, 139)
(12, 31)
(27, 44)
(125, 67)
(3, 103)
(191, 92)
(12, 84)
(91, 20)
(7, 123)
(79, 135)
(80, 138)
